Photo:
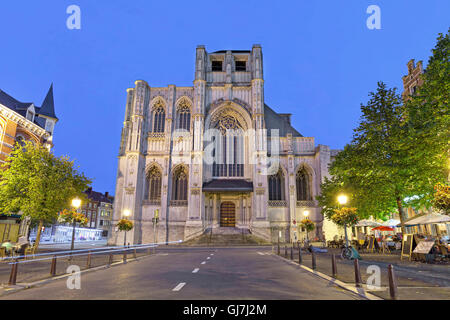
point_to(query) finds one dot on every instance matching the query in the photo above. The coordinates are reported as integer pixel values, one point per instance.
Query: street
(195, 274)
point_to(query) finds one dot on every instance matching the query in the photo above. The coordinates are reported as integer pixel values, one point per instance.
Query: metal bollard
(148, 251)
(13, 275)
(292, 253)
(313, 256)
(285, 251)
(134, 254)
(125, 256)
(88, 263)
(278, 250)
(358, 280)
(334, 265)
(300, 255)
(110, 259)
(53, 267)
(393, 291)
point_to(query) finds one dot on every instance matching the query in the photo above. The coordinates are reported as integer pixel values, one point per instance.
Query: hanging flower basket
(71, 216)
(124, 225)
(345, 217)
(307, 224)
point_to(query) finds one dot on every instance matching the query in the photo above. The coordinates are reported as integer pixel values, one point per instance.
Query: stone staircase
(226, 237)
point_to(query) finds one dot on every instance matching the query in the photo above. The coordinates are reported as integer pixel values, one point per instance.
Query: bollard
(13, 275)
(53, 267)
(313, 256)
(125, 256)
(110, 259)
(88, 263)
(285, 251)
(278, 250)
(148, 251)
(358, 280)
(392, 283)
(292, 253)
(134, 253)
(299, 255)
(334, 265)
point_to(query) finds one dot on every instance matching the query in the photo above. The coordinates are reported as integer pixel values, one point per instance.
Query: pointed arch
(276, 183)
(158, 109)
(180, 175)
(153, 184)
(304, 184)
(183, 113)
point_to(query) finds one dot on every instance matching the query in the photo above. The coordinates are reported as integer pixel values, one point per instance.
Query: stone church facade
(215, 156)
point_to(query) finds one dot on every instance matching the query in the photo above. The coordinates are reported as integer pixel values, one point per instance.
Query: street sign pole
(155, 222)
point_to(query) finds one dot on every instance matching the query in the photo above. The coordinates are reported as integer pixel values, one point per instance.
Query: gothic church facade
(215, 156)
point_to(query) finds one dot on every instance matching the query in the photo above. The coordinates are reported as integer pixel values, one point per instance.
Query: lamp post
(306, 214)
(342, 199)
(76, 203)
(126, 214)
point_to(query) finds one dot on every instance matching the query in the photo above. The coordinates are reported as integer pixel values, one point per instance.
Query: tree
(441, 200)
(38, 184)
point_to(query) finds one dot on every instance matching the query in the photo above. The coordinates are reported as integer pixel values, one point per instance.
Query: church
(215, 157)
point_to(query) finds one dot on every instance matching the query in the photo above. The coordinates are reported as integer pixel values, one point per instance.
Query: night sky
(320, 60)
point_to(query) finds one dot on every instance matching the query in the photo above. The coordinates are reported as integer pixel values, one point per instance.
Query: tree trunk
(38, 235)
(400, 214)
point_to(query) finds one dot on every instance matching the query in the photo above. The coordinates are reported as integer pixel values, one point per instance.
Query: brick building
(98, 210)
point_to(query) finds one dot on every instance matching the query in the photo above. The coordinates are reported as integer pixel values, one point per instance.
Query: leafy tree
(442, 198)
(38, 184)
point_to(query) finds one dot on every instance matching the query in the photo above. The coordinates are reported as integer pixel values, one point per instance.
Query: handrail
(57, 253)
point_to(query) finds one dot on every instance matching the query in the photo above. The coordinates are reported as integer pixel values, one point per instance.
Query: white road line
(211, 254)
(179, 286)
(260, 253)
(208, 258)
(204, 262)
(195, 270)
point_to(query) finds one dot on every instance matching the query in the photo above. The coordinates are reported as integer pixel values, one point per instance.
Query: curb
(22, 286)
(359, 291)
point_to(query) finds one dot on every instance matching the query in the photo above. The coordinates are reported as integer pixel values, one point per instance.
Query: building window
(180, 184)
(216, 66)
(153, 192)
(303, 182)
(229, 149)
(184, 117)
(159, 119)
(276, 186)
(241, 65)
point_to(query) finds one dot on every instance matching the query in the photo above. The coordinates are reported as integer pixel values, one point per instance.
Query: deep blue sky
(320, 59)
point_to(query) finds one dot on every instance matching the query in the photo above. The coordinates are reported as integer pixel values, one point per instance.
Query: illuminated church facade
(215, 157)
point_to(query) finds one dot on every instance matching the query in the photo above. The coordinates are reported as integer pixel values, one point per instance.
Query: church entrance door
(228, 215)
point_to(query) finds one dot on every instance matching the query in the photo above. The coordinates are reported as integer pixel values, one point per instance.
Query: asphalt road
(194, 274)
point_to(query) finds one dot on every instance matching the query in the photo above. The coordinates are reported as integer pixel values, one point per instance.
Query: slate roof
(47, 109)
(277, 121)
(97, 196)
(230, 185)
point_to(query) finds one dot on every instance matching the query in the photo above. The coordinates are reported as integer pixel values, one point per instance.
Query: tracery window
(229, 148)
(184, 117)
(276, 186)
(153, 192)
(180, 184)
(303, 182)
(159, 118)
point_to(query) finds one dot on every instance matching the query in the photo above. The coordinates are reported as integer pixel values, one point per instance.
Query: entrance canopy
(228, 185)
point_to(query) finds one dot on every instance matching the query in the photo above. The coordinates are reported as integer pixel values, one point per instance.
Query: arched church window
(180, 184)
(184, 118)
(159, 119)
(229, 148)
(303, 182)
(153, 192)
(276, 186)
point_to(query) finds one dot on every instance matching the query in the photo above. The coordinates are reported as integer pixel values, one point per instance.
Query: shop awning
(431, 218)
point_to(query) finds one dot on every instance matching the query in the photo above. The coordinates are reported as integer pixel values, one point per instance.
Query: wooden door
(228, 215)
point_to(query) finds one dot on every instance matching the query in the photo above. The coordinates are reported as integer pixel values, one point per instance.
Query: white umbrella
(391, 223)
(430, 218)
(368, 223)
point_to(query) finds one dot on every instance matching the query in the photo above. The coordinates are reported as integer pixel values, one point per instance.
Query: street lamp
(343, 199)
(76, 203)
(306, 214)
(126, 213)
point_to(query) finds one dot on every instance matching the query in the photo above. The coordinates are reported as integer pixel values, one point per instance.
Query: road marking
(260, 253)
(195, 270)
(208, 258)
(204, 262)
(179, 286)
(211, 254)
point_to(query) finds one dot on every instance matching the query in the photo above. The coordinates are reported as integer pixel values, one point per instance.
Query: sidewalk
(415, 280)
